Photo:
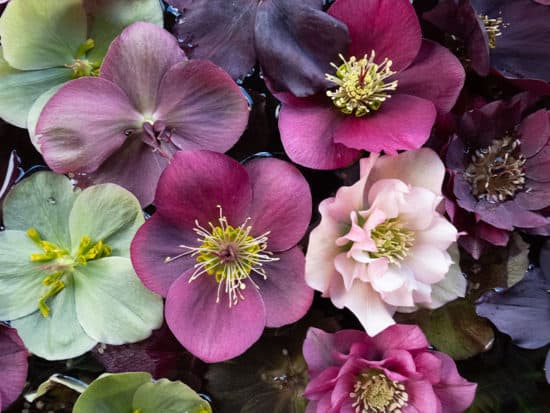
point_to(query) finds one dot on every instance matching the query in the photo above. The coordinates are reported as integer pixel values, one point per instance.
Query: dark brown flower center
(374, 392)
(496, 172)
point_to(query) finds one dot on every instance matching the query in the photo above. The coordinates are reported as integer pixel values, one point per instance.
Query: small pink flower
(382, 245)
(394, 371)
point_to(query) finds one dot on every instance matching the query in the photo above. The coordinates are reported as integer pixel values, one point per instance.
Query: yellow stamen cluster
(392, 240)
(81, 66)
(375, 393)
(492, 28)
(362, 84)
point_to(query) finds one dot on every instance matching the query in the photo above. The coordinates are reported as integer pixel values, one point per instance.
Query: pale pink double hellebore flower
(381, 246)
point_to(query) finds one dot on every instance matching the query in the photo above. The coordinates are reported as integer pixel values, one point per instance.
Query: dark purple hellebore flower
(500, 163)
(294, 41)
(148, 102)
(13, 365)
(221, 248)
(383, 95)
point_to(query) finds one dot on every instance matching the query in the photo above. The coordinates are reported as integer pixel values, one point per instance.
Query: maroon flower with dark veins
(221, 248)
(13, 365)
(500, 166)
(383, 95)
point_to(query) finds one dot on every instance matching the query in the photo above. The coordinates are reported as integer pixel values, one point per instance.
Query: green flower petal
(112, 16)
(36, 110)
(107, 213)
(43, 201)
(20, 89)
(112, 304)
(20, 279)
(111, 393)
(38, 34)
(169, 397)
(58, 336)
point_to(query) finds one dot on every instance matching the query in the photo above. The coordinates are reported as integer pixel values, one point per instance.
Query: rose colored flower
(382, 245)
(221, 248)
(148, 102)
(13, 365)
(383, 94)
(393, 371)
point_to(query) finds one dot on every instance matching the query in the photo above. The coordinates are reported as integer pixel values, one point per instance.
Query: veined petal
(13, 364)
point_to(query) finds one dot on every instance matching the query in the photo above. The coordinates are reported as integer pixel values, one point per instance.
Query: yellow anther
(55, 287)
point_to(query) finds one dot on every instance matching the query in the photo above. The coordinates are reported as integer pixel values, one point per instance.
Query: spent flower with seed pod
(66, 279)
(221, 247)
(13, 365)
(382, 246)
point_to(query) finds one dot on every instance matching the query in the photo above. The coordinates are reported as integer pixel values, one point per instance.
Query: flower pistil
(392, 240)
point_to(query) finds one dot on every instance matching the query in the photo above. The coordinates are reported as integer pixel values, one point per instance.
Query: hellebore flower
(148, 102)
(221, 248)
(383, 96)
(66, 279)
(47, 43)
(499, 166)
(382, 245)
(13, 365)
(137, 393)
(389, 373)
(294, 41)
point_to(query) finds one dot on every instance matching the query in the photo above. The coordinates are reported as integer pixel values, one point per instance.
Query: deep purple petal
(537, 168)
(13, 365)
(509, 214)
(212, 331)
(547, 364)
(537, 196)
(534, 132)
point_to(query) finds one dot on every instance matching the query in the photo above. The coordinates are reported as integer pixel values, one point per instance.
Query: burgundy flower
(391, 372)
(13, 365)
(222, 249)
(383, 95)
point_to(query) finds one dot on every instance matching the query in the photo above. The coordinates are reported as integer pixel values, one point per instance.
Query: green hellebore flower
(46, 43)
(137, 393)
(66, 279)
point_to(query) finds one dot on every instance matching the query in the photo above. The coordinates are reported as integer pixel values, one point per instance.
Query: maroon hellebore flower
(383, 97)
(13, 365)
(148, 102)
(221, 248)
(393, 371)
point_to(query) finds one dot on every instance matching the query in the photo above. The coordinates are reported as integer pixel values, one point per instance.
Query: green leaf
(38, 34)
(112, 304)
(107, 213)
(169, 397)
(111, 393)
(43, 201)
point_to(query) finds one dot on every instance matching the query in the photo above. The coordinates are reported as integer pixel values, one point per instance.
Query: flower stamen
(392, 241)
(492, 28)
(374, 392)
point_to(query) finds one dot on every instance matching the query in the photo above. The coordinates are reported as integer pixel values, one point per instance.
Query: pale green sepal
(20, 279)
(36, 110)
(20, 89)
(110, 17)
(112, 304)
(58, 336)
(42, 201)
(39, 34)
(169, 397)
(111, 393)
(107, 213)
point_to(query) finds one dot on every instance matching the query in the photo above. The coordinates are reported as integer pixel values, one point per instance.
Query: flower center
(230, 254)
(392, 240)
(375, 393)
(83, 67)
(492, 28)
(496, 172)
(159, 137)
(362, 84)
(61, 263)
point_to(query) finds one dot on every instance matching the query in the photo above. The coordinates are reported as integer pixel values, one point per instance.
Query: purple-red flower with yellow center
(221, 248)
(383, 95)
(382, 245)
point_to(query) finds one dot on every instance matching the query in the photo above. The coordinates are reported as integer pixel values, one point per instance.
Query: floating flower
(149, 102)
(382, 245)
(13, 365)
(389, 373)
(221, 248)
(66, 39)
(66, 279)
(383, 96)
(137, 393)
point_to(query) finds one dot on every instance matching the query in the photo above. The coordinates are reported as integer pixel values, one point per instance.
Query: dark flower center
(496, 172)
(159, 137)
(374, 392)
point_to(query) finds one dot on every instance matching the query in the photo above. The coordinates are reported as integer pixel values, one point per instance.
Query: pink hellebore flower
(382, 245)
(221, 248)
(392, 372)
(384, 95)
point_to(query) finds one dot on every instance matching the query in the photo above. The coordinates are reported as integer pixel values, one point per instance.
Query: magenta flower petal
(222, 333)
(286, 295)
(137, 61)
(203, 104)
(13, 365)
(191, 174)
(82, 138)
(535, 132)
(389, 27)
(406, 337)
(417, 79)
(403, 122)
(281, 203)
(422, 397)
